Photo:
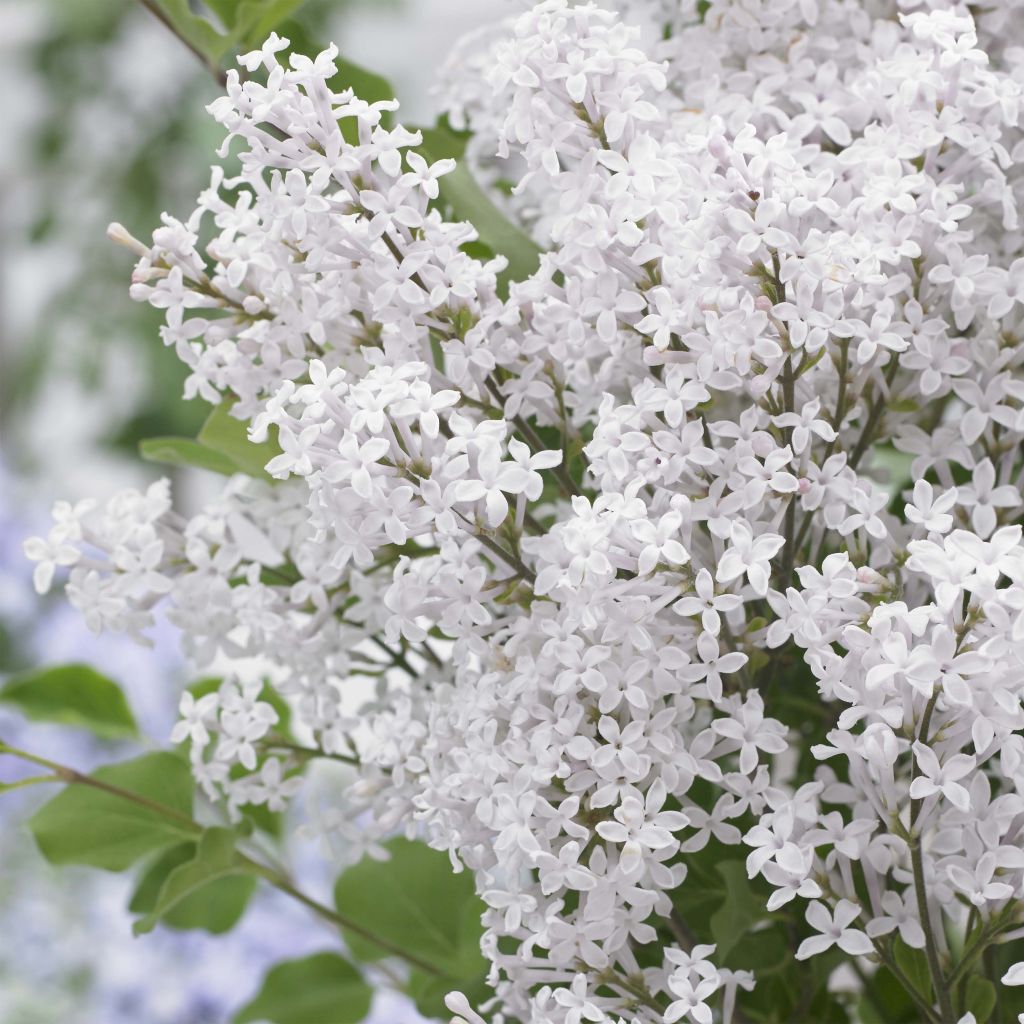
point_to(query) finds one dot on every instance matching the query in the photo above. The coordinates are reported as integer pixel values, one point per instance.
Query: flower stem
(939, 983)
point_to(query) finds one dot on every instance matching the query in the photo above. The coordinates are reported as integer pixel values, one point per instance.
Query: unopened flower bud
(119, 233)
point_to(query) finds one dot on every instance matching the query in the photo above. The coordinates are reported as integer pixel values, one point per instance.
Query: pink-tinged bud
(868, 577)
(763, 303)
(803, 485)
(717, 148)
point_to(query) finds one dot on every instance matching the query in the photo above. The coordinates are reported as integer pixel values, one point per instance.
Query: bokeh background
(103, 119)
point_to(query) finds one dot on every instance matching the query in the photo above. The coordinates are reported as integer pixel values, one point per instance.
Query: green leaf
(867, 1013)
(144, 898)
(215, 907)
(249, 22)
(320, 989)
(914, 964)
(825, 1008)
(740, 910)
(181, 451)
(213, 887)
(195, 30)
(224, 434)
(981, 997)
(85, 825)
(72, 695)
(468, 201)
(764, 951)
(417, 903)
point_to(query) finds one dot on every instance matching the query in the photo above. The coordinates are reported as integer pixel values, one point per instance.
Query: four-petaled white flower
(639, 826)
(749, 556)
(942, 778)
(835, 931)
(706, 603)
(196, 718)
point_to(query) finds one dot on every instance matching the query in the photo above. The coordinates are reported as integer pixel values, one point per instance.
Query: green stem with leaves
(70, 776)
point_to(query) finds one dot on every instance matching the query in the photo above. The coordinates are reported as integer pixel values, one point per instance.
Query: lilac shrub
(674, 588)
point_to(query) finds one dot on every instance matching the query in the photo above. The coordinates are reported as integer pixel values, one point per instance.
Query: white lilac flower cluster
(579, 538)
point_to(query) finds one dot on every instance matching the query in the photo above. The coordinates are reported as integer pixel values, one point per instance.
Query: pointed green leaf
(417, 903)
(72, 695)
(216, 881)
(320, 989)
(85, 825)
(144, 898)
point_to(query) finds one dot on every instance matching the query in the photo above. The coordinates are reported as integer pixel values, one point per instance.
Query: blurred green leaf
(85, 825)
(227, 436)
(209, 890)
(320, 989)
(914, 965)
(981, 998)
(72, 695)
(144, 897)
(250, 22)
(420, 905)
(180, 451)
(764, 951)
(367, 85)
(194, 29)
(895, 465)
(427, 991)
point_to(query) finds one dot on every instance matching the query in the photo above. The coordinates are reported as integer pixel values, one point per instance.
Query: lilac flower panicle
(545, 567)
